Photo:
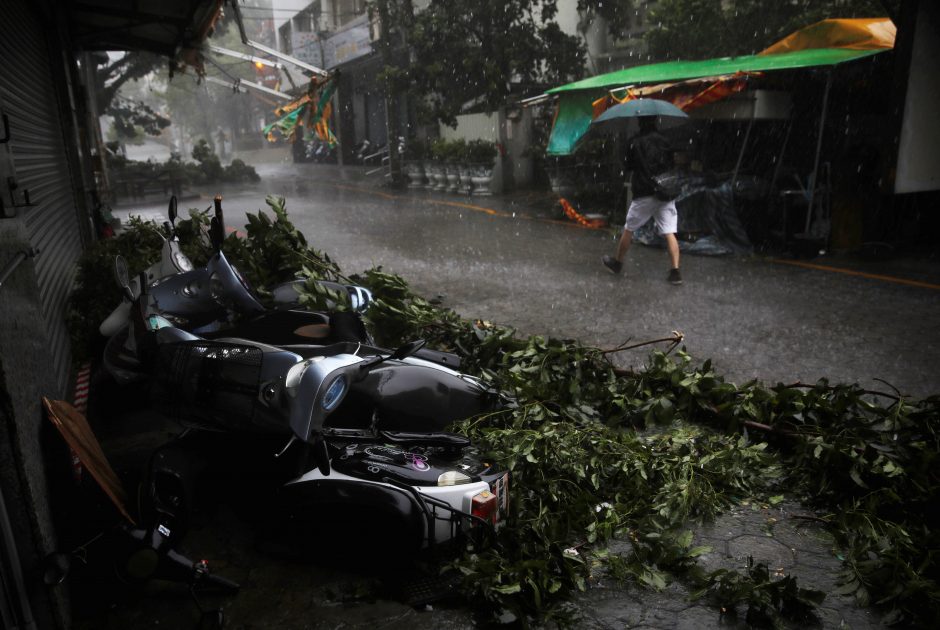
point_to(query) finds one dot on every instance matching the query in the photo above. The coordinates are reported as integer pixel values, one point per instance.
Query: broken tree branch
(676, 338)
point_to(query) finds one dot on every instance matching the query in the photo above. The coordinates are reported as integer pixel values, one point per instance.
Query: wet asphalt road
(504, 260)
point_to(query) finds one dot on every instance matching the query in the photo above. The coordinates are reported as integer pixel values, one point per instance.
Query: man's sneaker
(612, 264)
(674, 276)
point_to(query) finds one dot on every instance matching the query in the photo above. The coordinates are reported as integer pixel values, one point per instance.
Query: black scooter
(309, 439)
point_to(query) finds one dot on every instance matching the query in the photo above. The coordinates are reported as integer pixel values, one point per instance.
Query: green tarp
(571, 121)
(679, 70)
(574, 103)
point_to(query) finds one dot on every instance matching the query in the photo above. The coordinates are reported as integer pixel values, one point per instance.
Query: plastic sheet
(709, 211)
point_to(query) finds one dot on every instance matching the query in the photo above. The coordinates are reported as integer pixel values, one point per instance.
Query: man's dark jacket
(648, 155)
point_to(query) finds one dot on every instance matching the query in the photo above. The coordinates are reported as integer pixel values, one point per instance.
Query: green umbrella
(623, 118)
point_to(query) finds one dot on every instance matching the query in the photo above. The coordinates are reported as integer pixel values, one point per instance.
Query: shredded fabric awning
(174, 28)
(311, 110)
(825, 43)
(853, 34)
(686, 95)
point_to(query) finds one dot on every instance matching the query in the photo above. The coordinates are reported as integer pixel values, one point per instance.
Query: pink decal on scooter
(418, 462)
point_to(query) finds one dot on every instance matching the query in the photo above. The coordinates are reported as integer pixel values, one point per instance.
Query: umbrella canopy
(622, 118)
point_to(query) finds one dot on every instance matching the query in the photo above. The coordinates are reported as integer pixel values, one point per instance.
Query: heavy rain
(548, 313)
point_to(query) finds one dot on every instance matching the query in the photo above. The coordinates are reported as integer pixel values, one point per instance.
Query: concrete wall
(919, 150)
(483, 126)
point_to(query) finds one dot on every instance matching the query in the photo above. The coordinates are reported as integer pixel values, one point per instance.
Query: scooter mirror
(408, 349)
(56, 567)
(217, 225)
(121, 277)
(172, 211)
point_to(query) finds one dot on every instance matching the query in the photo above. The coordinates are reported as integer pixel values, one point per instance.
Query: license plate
(501, 489)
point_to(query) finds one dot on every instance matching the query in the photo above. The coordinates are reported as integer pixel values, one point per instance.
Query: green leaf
(695, 552)
(508, 589)
(856, 477)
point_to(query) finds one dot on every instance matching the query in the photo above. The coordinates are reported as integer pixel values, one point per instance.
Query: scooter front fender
(116, 320)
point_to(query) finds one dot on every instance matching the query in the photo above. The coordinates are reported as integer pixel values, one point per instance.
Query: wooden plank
(78, 434)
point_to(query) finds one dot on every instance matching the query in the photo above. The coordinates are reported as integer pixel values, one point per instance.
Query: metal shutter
(37, 142)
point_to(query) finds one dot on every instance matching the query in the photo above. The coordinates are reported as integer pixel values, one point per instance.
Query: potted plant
(456, 153)
(482, 157)
(414, 154)
(439, 150)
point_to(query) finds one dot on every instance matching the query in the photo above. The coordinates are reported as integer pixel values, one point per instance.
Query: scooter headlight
(453, 478)
(335, 392)
(182, 263)
(295, 373)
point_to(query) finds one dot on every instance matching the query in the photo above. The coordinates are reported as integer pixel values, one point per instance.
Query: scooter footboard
(342, 507)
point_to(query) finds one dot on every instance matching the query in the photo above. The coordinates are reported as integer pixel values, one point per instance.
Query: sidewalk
(784, 537)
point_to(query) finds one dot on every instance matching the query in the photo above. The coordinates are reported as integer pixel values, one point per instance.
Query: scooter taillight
(485, 506)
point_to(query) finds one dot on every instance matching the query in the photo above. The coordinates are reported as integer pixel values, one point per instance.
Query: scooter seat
(174, 335)
(238, 341)
(439, 438)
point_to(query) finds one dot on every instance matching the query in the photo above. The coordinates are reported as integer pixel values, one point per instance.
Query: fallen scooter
(384, 407)
(297, 434)
(356, 426)
(325, 411)
(217, 301)
(187, 298)
(416, 391)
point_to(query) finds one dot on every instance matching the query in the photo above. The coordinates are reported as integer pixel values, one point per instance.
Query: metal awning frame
(237, 86)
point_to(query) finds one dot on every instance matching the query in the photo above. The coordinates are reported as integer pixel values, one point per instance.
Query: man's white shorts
(644, 208)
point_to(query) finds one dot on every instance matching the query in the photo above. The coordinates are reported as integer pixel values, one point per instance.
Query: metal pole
(245, 82)
(279, 55)
(783, 152)
(819, 141)
(245, 56)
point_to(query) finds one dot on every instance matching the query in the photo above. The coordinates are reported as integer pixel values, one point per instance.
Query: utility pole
(392, 118)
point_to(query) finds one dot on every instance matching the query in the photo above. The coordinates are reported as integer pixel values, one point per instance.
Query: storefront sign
(305, 46)
(350, 43)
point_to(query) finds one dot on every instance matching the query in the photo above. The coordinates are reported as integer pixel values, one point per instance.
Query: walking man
(649, 155)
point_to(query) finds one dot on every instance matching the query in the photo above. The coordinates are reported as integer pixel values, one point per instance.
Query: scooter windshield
(315, 388)
(228, 287)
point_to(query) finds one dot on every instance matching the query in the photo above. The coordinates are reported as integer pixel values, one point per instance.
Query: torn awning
(168, 28)
(854, 34)
(574, 103)
(680, 70)
(686, 95)
(312, 110)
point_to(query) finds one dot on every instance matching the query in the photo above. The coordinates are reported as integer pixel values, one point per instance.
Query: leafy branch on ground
(865, 460)
(599, 454)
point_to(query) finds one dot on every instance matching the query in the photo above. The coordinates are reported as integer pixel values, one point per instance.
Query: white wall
(473, 127)
(512, 129)
(919, 152)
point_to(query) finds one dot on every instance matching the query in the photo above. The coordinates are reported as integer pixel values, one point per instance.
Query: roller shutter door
(29, 98)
